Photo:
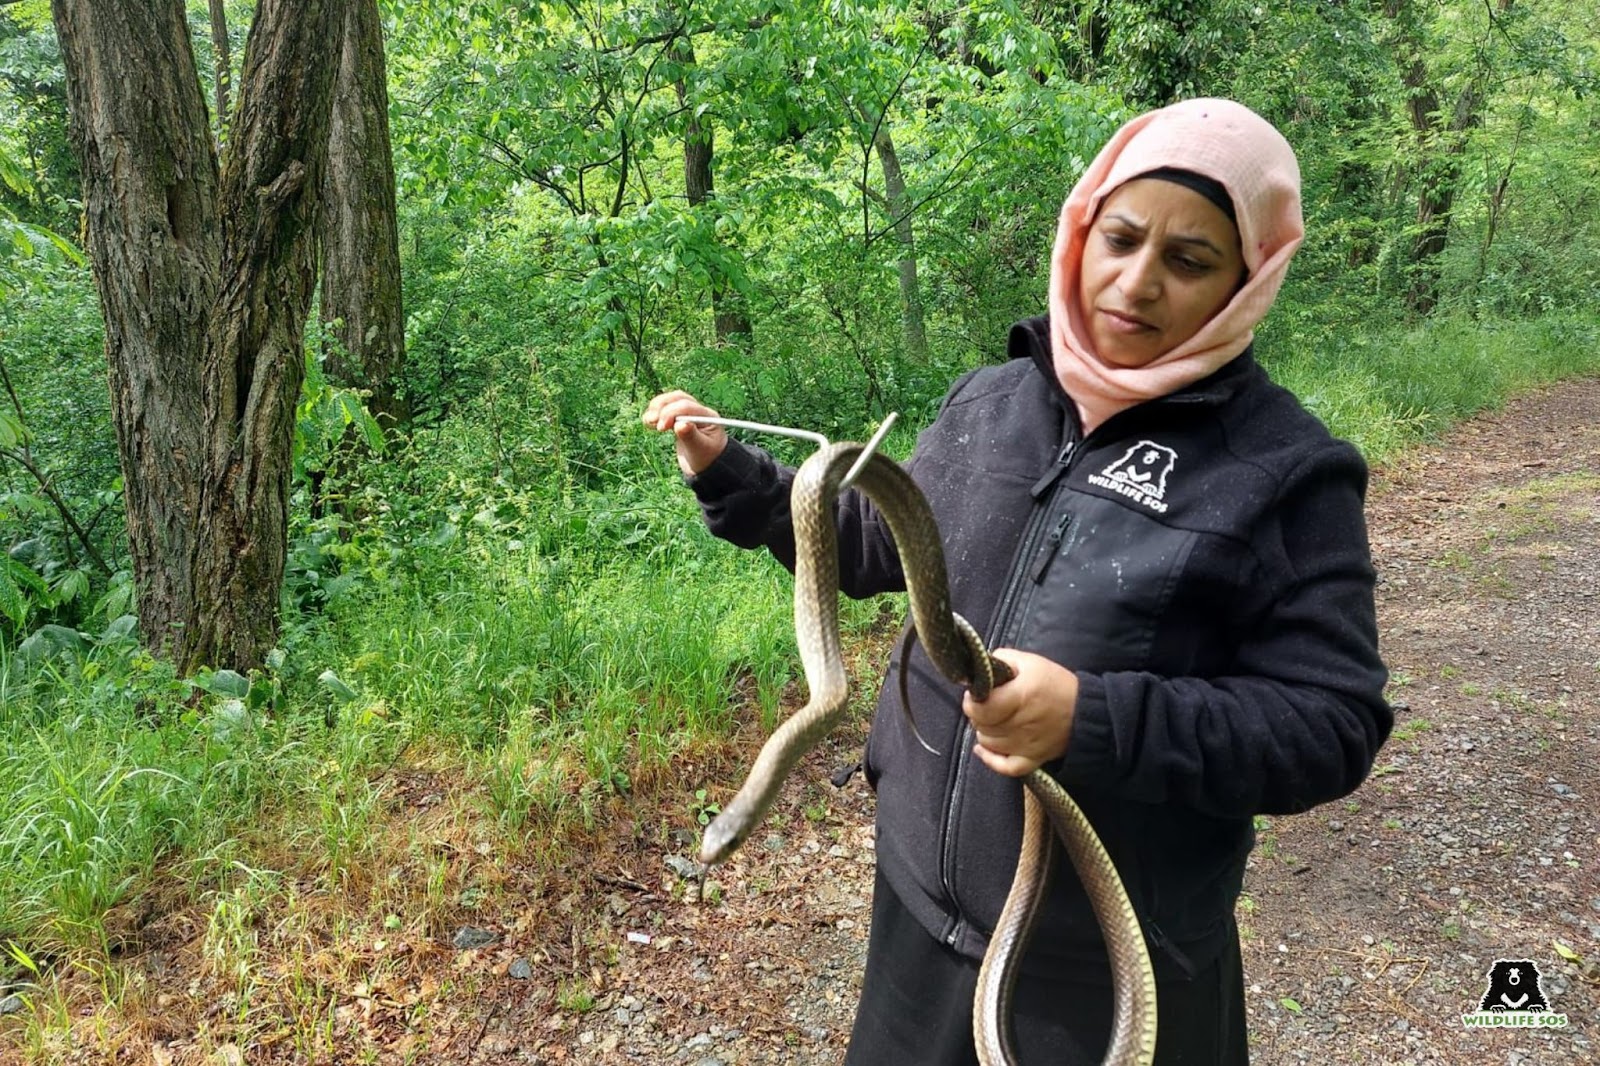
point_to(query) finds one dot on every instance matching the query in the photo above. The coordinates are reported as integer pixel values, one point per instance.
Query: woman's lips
(1121, 323)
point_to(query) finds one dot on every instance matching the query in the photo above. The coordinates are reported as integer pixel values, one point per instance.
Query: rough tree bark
(727, 309)
(205, 280)
(360, 236)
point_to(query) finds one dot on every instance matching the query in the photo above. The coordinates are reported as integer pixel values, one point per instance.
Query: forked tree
(205, 270)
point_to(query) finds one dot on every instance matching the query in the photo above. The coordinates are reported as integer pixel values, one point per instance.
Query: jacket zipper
(1032, 536)
(1049, 483)
(1052, 548)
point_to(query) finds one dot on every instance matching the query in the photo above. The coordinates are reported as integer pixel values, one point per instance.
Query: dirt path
(1370, 924)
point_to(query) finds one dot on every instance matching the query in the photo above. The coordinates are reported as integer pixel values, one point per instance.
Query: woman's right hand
(698, 444)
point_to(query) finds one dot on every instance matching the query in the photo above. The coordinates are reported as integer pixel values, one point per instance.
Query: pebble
(11, 1004)
(681, 866)
(470, 936)
(520, 970)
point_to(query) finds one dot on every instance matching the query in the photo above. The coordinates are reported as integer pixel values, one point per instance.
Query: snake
(958, 652)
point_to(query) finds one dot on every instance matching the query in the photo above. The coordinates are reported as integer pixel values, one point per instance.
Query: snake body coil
(958, 652)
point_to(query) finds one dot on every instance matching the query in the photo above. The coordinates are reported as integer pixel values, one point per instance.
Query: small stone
(683, 867)
(470, 936)
(520, 970)
(11, 1004)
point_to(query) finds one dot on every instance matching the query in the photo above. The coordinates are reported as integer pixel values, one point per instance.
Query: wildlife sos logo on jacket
(1515, 997)
(1140, 474)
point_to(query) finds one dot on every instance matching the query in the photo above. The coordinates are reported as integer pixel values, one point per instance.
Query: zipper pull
(1063, 460)
(1052, 547)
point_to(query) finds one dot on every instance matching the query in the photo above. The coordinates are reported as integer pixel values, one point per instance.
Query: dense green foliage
(518, 578)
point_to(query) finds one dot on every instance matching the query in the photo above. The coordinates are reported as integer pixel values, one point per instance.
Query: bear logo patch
(1514, 985)
(1141, 474)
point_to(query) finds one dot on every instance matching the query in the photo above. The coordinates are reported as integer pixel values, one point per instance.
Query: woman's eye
(1191, 265)
(1119, 242)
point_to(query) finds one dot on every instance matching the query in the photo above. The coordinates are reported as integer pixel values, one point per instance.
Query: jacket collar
(1030, 339)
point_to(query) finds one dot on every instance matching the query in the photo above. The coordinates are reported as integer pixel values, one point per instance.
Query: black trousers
(916, 1006)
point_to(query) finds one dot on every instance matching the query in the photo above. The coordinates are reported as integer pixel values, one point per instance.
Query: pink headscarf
(1228, 143)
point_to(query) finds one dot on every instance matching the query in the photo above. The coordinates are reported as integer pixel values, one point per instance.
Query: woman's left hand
(1025, 722)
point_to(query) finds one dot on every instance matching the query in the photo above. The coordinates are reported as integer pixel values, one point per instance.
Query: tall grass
(1383, 390)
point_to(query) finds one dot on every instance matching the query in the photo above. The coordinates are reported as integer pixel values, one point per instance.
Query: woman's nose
(1141, 275)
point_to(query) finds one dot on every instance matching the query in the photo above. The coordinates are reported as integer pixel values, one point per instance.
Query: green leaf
(230, 720)
(121, 628)
(70, 585)
(51, 641)
(332, 682)
(1291, 1005)
(12, 431)
(13, 604)
(227, 683)
(1566, 952)
(371, 432)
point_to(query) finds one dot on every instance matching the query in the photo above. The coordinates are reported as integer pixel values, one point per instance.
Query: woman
(1169, 550)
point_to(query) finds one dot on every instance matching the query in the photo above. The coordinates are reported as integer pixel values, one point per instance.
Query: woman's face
(1160, 260)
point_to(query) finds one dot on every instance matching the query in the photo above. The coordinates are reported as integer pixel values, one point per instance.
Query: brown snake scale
(958, 652)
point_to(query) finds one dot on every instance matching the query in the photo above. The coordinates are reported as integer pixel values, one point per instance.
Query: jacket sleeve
(744, 496)
(1300, 716)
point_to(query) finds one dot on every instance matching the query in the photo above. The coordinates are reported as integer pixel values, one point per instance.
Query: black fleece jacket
(1200, 561)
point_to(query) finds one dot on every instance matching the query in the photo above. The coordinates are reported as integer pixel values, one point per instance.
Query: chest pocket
(1098, 586)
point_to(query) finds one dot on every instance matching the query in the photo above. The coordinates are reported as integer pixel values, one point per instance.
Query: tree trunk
(1441, 146)
(205, 281)
(223, 63)
(150, 184)
(727, 308)
(894, 188)
(360, 239)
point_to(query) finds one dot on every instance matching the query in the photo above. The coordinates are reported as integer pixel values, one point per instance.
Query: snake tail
(997, 977)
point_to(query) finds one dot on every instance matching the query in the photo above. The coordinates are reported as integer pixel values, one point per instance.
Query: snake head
(721, 839)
